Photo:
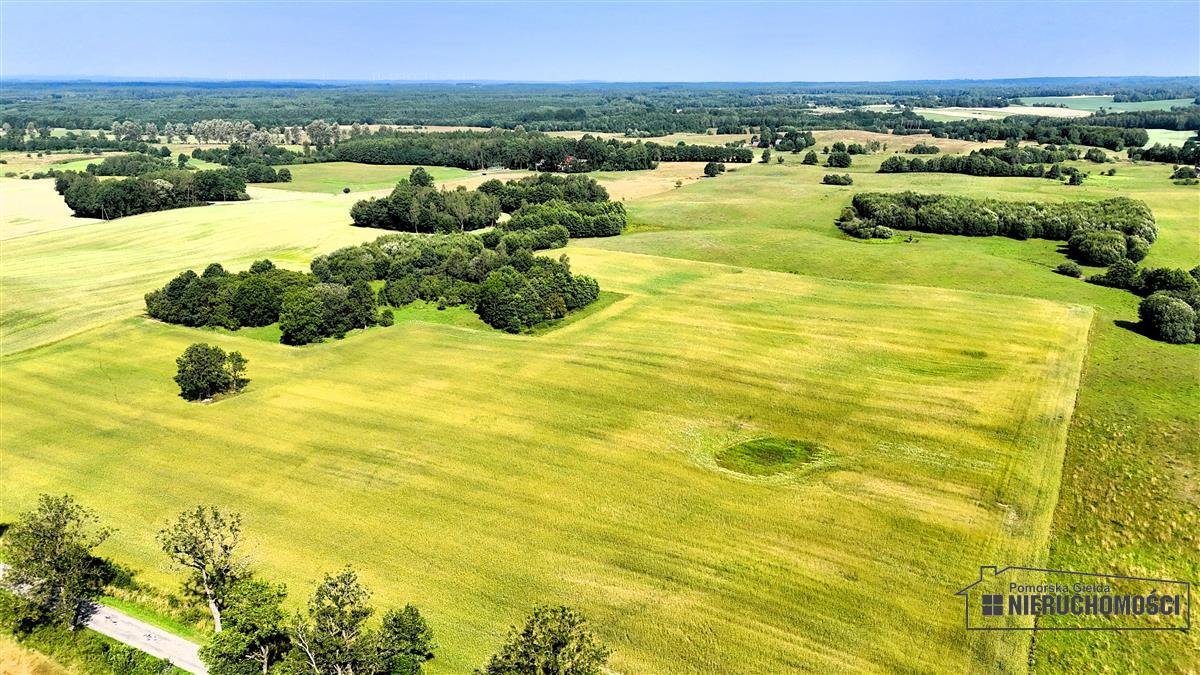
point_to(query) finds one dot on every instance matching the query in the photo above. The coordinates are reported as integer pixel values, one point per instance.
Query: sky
(610, 41)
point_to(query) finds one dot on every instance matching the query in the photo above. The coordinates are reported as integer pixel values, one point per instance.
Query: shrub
(1069, 269)
(387, 318)
(1098, 247)
(1168, 318)
(1121, 274)
(838, 160)
(1156, 279)
(1184, 173)
(345, 190)
(835, 179)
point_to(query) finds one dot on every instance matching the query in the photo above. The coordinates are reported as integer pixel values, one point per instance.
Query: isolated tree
(181, 161)
(204, 540)
(203, 371)
(254, 638)
(766, 156)
(332, 636)
(554, 641)
(810, 157)
(53, 577)
(711, 169)
(284, 175)
(405, 642)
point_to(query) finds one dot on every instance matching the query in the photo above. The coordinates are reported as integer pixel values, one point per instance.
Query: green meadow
(331, 177)
(1094, 103)
(766, 448)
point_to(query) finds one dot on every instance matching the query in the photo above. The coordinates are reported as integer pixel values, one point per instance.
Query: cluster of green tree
(308, 307)
(577, 203)
(1179, 119)
(90, 197)
(205, 370)
(544, 187)
(132, 164)
(244, 154)
(415, 205)
(508, 287)
(835, 179)
(923, 148)
(1043, 130)
(1096, 230)
(581, 219)
(1188, 154)
(1009, 161)
(523, 150)
(793, 140)
(714, 169)
(854, 148)
(1170, 309)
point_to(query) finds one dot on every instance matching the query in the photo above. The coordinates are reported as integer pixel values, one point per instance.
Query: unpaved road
(155, 641)
(150, 639)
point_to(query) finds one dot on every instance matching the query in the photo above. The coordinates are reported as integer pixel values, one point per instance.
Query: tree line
(90, 197)
(1170, 306)
(55, 578)
(522, 150)
(1009, 161)
(415, 205)
(1097, 232)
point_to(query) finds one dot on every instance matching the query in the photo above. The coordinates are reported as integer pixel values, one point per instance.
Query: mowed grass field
(331, 177)
(1094, 103)
(487, 472)
(483, 473)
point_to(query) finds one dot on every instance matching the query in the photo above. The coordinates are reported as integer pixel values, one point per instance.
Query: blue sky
(615, 41)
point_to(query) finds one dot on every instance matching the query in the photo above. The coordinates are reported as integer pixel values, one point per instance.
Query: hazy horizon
(610, 42)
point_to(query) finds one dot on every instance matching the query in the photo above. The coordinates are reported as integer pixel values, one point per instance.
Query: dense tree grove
(1044, 130)
(133, 164)
(581, 219)
(1189, 153)
(90, 197)
(415, 205)
(1097, 230)
(496, 274)
(524, 150)
(1009, 161)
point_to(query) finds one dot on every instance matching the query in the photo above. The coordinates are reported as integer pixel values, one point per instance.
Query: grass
(476, 473)
(1168, 137)
(766, 456)
(1132, 437)
(331, 177)
(1094, 103)
(582, 461)
(17, 659)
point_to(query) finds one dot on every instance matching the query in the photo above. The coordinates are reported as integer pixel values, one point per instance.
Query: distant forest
(636, 109)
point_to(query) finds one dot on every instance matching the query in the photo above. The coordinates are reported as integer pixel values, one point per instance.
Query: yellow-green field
(331, 177)
(476, 473)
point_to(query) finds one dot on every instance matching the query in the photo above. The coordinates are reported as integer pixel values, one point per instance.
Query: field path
(113, 623)
(155, 641)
